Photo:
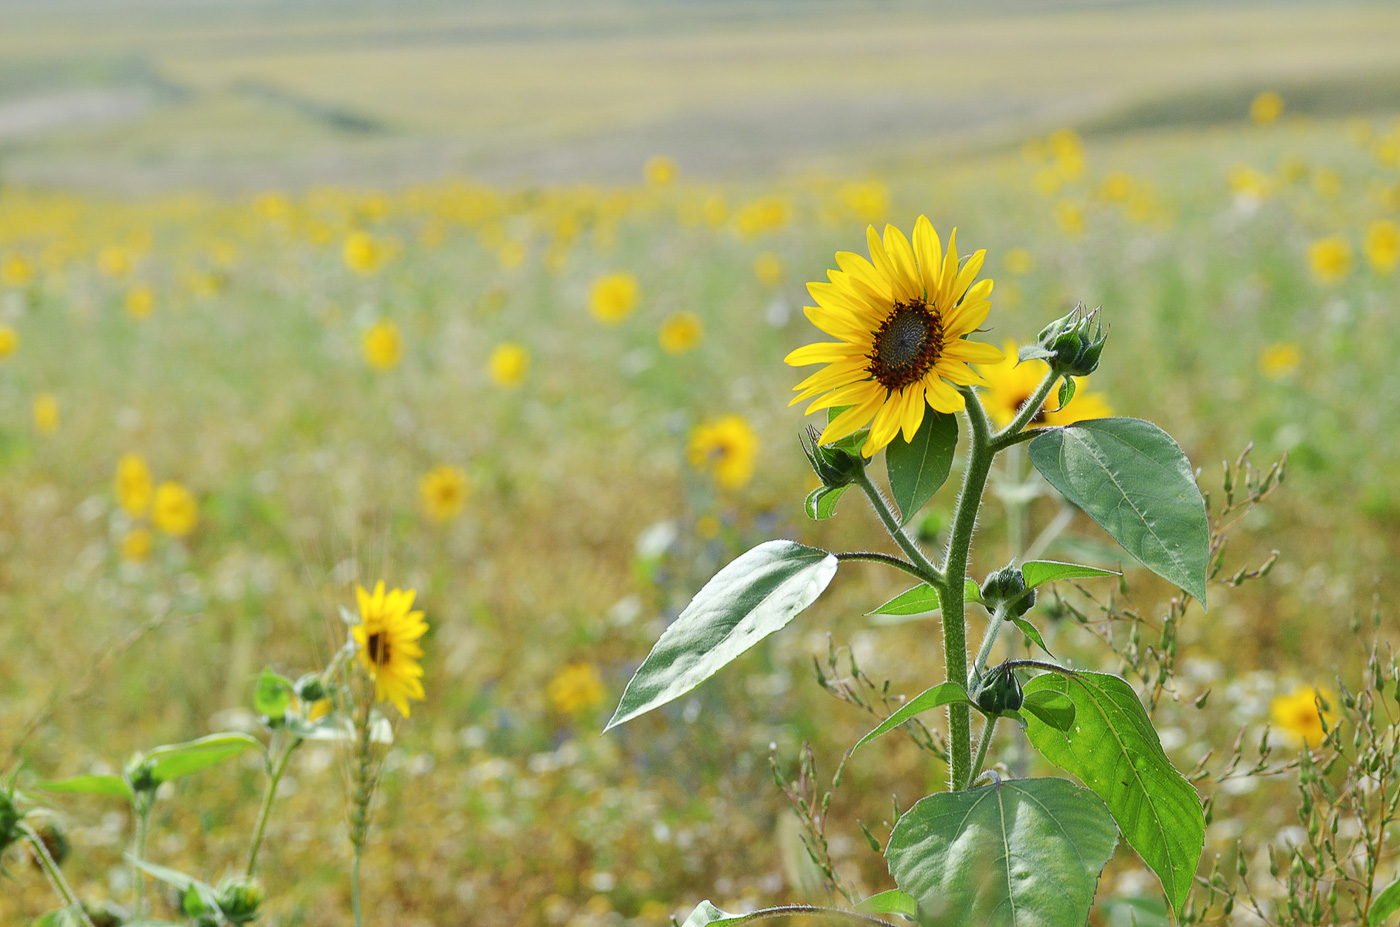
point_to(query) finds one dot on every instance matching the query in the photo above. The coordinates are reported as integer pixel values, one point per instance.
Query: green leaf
(1031, 631)
(1053, 708)
(89, 785)
(821, 502)
(1386, 903)
(1066, 391)
(944, 693)
(921, 599)
(1040, 572)
(1133, 479)
(745, 602)
(175, 760)
(1114, 749)
(918, 468)
(1017, 853)
(971, 591)
(186, 884)
(891, 902)
(1136, 911)
(707, 915)
(273, 695)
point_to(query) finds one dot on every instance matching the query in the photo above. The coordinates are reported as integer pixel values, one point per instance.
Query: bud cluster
(835, 465)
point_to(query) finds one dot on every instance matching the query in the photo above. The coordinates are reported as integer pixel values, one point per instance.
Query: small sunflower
(387, 637)
(1011, 384)
(902, 318)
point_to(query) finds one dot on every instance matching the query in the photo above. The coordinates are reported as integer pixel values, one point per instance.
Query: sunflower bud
(1071, 345)
(10, 819)
(310, 688)
(999, 691)
(55, 842)
(1008, 587)
(834, 465)
(140, 775)
(239, 900)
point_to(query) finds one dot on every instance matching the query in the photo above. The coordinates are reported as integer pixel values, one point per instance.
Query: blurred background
(490, 300)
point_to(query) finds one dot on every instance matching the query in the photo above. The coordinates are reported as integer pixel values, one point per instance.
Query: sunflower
(387, 637)
(1010, 384)
(902, 318)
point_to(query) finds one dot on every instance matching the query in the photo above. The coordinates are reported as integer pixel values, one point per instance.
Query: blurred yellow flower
(1018, 261)
(661, 171)
(1247, 183)
(174, 509)
(443, 491)
(136, 545)
(725, 447)
(508, 364)
(9, 341)
(16, 270)
(766, 214)
(1068, 152)
(133, 484)
(768, 269)
(363, 253)
(1383, 245)
(902, 321)
(1070, 218)
(1010, 384)
(387, 640)
(869, 200)
(1330, 259)
(613, 298)
(1297, 715)
(1280, 360)
(680, 332)
(1116, 187)
(140, 302)
(45, 413)
(1266, 108)
(114, 262)
(383, 347)
(511, 255)
(576, 689)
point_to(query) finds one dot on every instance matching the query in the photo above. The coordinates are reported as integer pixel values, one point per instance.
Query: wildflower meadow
(483, 467)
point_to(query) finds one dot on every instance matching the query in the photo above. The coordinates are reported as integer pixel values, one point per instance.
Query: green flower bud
(10, 819)
(834, 465)
(1000, 691)
(239, 900)
(1072, 345)
(140, 775)
(310, 688)
(55, 842)
(1008, 587)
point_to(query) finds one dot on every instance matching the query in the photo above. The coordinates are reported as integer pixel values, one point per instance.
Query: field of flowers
(553, 412)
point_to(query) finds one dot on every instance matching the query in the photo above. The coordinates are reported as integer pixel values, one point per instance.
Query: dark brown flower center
(907, 345)
(378, 646)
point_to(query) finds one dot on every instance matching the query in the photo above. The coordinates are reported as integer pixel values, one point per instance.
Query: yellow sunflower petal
(882, 262)
(912, 415)
(841, 396)
(906, 280)
(966, 318)
(950, 272)
(885, 425)
(944, 398)
(929, 252)
(839, 324)
(855, 417)
(968, 274)
(823, 352)
(972, 352)
(862, 277)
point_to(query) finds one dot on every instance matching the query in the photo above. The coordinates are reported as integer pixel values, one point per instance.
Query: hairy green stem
(55, 875)
(876, 557)
(953, 600)
(1014, 433)
(985, 650)
(360, 801)
(987, 730)
(144, 804)
(275, 776)
(927, 571)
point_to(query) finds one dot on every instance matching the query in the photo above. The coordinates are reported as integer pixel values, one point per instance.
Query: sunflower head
(902, 318)
(387, 641)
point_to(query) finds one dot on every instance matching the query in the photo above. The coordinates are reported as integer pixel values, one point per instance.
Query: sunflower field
(374, 400)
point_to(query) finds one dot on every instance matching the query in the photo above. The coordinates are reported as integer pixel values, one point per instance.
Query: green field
(178, 184)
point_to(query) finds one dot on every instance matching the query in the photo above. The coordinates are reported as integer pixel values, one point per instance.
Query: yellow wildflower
(136, 545)
(363, 253)
(680, 332)
(1266, 108)
(1280, 360)
(133, 484)
(613, 298)
(45, 413)
(174, 509)
(387, 640)
(383, 347)
(113, 261)
(1383, 245)
(868, 200)
(661, 171)
(1330, 259)
(442, 492)
(140, 302)
(16, 270)
(9, 341)
(1070, 218)
(1010, 384)
(576, 689)
(768, 269)
(1298, 717)
(508, 364)
(1018, 261)
(726, 447)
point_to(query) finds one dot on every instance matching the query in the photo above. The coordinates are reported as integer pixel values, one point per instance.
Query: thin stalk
(985, 650)
(355, 886)
(800, 910)
(877, 557)
(928, 572)
(143, 819)
(55, 875)
(953, 599)
(1012, 434)
(987, 730)
(275, 776)
(1016, 508)
(360, 800)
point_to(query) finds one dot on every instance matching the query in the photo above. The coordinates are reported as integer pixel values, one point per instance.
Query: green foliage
(1017, 853)
(273, 695)
(821, 502)
(757, 594)
(1133, 479)
(893, 901)
(919, 468)
(114, 786)
(1040, 572)
(1386, 903)
(920, 600)
(173, 761)
(945, 693)
(1054, 709)
(1114, 749)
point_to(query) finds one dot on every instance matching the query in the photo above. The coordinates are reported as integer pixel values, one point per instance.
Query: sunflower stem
(987, 730)
(954, 601)
(873, 556)
(274, 777)
(1013, 433)
(986, 649)
(144, 803)
(926, 570)
(55, 875)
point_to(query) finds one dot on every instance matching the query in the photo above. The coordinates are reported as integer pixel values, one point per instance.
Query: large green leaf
(945, 693)
(175, 760)
(1133, 479)
(1386, 903)
(744, 603)
(921, 599)
(918, 468)
(1017, 853)
(89, 785)
(1113, 747)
